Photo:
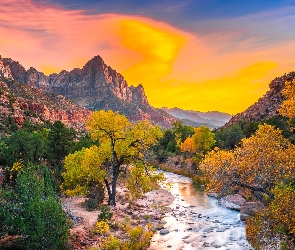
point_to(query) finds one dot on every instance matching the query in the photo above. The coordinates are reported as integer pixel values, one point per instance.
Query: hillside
(267, 106)
(19, 102)
(95, 86)
(211, 119)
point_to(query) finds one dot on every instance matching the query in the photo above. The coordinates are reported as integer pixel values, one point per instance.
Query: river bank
(181, 218)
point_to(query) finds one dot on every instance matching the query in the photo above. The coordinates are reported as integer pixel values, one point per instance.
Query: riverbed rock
(250, 208)
(232, 201)
(164, 231)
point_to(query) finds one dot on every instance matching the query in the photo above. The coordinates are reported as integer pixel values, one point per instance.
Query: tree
(258, 164)
(228, 138)
(287, 107)
(276, 223)
(203, 139)
(60, 141)
(188, 146)
(33, 211)
(123, 147)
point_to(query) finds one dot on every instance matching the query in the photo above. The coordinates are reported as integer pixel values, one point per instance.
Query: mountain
(19, 101)
(210, 119)
(96, 86)
(267, 106)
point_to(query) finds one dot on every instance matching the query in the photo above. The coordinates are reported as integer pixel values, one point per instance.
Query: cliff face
(19, 102)
(267, 106)
(95, 86)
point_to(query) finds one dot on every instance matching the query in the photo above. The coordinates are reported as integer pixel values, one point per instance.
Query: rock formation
(95, 86)
(267, 106)
(19, 102)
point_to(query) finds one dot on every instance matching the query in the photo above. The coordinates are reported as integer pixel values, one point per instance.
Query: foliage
(105, 214)
(139, 238)
(32, 211)
(142, 179)
(121, 145)
(258, 164)
(182, 130)
(26, 146)
(82, 172)
(287, 107)
(277, 221)
(102, 227)
(203, 139)
(188, 146)
(228, 138)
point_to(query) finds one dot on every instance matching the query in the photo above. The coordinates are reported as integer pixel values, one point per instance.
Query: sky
(203, 55)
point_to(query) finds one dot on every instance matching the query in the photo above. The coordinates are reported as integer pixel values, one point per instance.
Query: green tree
(203, 139)
(122, 147)
(32, 211)
(60, 142)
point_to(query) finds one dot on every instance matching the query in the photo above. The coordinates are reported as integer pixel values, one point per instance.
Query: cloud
(225, 64)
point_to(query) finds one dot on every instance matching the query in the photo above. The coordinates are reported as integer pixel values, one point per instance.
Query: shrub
(33, 212)
(105, 214)
(102, 227)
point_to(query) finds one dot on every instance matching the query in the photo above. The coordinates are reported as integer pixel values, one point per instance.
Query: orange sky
(221, 70)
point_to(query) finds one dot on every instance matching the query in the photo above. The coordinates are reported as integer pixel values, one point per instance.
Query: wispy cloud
(225, 63)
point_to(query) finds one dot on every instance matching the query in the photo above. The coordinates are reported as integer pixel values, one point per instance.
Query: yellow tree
(275, 222)
(123, 146)
(188, 146)
(203, 139)
(258, 164)
(287, 107)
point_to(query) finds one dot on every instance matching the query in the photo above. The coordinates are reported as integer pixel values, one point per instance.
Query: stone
(250, 208)
(164, 231)
(232, 201)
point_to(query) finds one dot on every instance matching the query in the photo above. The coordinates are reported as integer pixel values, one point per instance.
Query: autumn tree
(188, 146)
(275, 224)
(124, 150)
(258, 164)
(287, 107)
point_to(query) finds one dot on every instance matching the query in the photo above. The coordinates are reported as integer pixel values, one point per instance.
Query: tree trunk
(109, 191)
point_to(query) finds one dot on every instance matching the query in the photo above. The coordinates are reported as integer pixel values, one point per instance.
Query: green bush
(105, 213)
(33, 211)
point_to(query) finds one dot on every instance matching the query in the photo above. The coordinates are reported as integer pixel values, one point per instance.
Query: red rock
(267, 106)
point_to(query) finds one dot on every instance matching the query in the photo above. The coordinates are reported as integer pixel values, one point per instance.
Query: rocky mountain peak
(95, 86)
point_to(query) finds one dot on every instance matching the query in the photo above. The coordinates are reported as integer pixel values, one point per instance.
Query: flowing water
(196, 221)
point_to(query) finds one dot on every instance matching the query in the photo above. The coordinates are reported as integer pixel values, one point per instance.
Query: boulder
(232, 201)
(250, 208)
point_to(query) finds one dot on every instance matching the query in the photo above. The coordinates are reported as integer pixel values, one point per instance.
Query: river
(196, 221)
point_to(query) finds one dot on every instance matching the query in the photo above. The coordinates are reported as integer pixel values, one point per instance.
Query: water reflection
(197, 222)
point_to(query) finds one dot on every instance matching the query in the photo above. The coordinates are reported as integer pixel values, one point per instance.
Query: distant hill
(212, 119)
(96, 86)
(267, 106)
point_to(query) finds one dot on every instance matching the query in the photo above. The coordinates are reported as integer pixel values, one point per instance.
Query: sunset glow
(223, 65)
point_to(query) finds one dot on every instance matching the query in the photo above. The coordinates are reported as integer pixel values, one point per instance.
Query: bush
(105, 214)
(91, 204)
(102, 227)
(33, 212)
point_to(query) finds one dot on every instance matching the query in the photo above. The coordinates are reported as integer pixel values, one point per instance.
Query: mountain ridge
(212, 119)
(267, 106)
(92, 86)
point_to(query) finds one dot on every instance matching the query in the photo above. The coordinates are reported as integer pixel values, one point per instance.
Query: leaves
(259, 163)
